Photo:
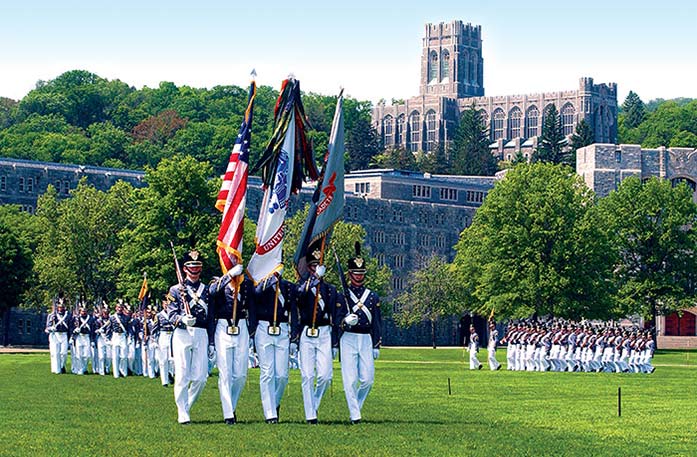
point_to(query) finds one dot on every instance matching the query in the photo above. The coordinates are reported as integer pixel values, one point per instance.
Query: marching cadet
(494, 365)
(162, 332)
(232, 296)
(317, 303)
(135, 329)
(473, 348)
(193, 334)
(359, 344)
(102, 359)
(148, 344)
(118, 328)
(83, 333)
(58, 327)
(275, 315)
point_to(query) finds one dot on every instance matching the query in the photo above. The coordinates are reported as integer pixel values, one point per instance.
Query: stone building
(452, 69)
(604, 166)
(408, 217)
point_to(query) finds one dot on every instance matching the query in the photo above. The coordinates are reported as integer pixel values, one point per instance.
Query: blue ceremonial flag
(327, 205)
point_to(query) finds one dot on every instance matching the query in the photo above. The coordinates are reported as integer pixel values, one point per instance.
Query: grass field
(409, 412)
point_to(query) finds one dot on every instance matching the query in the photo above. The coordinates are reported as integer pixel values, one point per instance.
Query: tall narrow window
(3, 183)
(415, 128)
(484, 116)
(387, 125)
(30, 185)
(498, 119)
(21, 184)
(514, 123)
(433, 67)
(399, 130)
(445, 66)
(568, 112)
(532, 119)
(430, 130)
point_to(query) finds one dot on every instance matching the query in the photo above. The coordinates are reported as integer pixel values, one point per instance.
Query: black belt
(359, 331)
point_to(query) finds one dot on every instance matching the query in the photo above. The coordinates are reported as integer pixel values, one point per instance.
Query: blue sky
(372, 48)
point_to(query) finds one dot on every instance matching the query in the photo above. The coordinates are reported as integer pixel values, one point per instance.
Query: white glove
(76, 331)
(211, 351)
(376, 353)
(293, 349)
(351, 319)
(189, 320)
(320, 271)
(335, 353)
(236, 270)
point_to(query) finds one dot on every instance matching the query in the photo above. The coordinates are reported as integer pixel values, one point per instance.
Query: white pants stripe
(315, 361)
(357, 370)
(119, 354)
(232, 357)
(273, 366)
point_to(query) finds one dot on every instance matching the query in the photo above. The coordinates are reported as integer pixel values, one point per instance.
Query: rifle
(340, 272)
(180, 280)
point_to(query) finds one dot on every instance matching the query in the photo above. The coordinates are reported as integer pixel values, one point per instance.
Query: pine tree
(551, 144)
(634, 110)
(470, 153)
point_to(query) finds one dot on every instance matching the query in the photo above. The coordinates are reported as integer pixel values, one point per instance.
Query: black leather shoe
(356, 421)
(273, 420)
(312, 421)
(230, 421)
(165, 385)
(480, 367)
(185, 423)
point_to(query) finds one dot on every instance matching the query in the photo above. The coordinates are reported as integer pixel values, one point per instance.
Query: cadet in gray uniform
(491, 347)
(59, 327)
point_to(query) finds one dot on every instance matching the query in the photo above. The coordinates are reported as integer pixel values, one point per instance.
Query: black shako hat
(192, 259)
(357, 264)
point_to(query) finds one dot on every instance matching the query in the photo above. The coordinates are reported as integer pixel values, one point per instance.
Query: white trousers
(83, 352)
(315, 363)
(272, 351)
(58, 347)
(119, 354)
(190, 349)
(491, 353)
(357, 370)
(101, 359)
(148, 360)
(474, 361)
(164, 356)
(510, 357)
(232, 354)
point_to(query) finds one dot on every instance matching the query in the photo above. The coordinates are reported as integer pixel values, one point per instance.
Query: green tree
(551, 146)
(650, 226)
(79, 242)
(8, 112)
(470, 154)
(582, 137)
(432, 293)
(633, 110)
(535, 248)
(15, 265)
(396, 157)
(435, 161)
(362, 140)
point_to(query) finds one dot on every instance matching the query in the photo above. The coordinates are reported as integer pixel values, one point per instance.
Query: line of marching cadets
(234, 325)
(570, 346)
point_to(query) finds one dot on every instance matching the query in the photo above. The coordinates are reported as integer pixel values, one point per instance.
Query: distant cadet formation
(234, 325)
(572, 346)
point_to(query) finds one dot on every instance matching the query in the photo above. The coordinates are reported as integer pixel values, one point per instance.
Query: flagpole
(321, 261)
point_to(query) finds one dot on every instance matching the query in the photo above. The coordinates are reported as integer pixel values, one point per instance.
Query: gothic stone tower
(451, 63)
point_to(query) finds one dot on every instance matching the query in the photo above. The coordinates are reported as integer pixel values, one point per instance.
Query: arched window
(399, 130)
(387, 124)
(444, 66)
(415, 128)
(532, 119)
(433, 67)
(484, 116)
(568, 112)
(498, 119)
(464, 66)
(514, 117)
(473, 68)
(430, 130)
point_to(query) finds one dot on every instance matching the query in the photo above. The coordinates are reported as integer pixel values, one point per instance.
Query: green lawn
(409, 412)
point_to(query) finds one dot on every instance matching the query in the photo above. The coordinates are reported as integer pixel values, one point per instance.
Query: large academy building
(452, 80)
(408, 217)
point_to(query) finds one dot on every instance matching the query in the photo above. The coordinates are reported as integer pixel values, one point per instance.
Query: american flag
(232, 197)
